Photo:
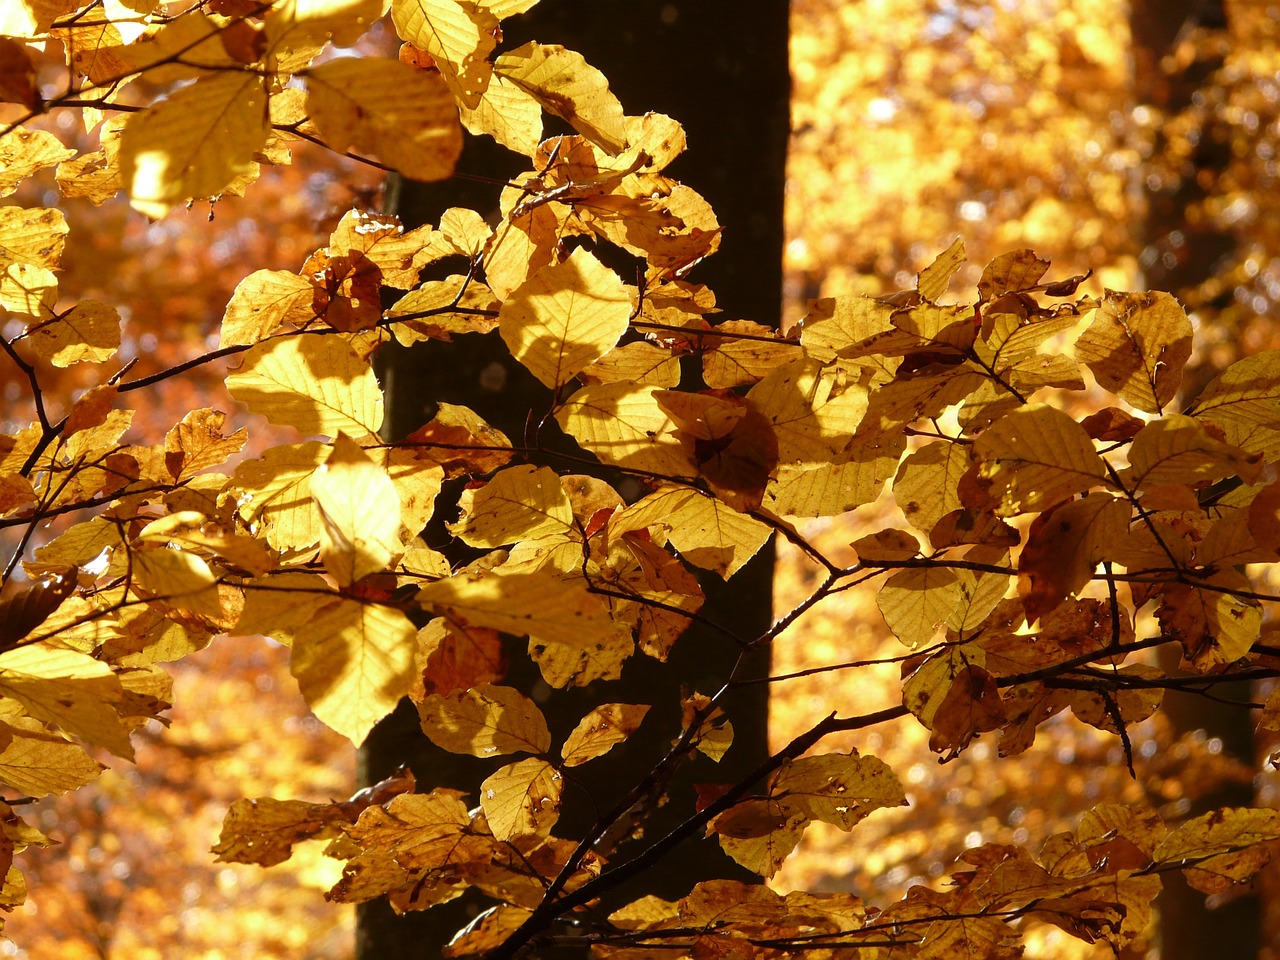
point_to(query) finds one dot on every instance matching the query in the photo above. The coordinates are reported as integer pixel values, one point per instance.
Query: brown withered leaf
(972, 705)
(1065, 545)
(1011, 273)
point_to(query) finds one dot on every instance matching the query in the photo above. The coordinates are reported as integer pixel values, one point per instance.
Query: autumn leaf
(357, 501)
(70, 689)
(457, 36)
(564, 317)
(484, 721)
(194, 143)
(1035, 457)
(568, 88)
(522, 798)
(1064, 547)
(402, 116)
(353, 662)
(1137, 346)
(519, 503)
(601, 730)
(317, 384)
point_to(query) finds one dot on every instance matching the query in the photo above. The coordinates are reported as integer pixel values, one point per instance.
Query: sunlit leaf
(522, 798)
(485, 721)
(358, 511)
(1137, 346)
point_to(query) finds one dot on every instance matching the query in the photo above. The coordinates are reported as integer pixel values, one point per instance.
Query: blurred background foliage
(1139, 141)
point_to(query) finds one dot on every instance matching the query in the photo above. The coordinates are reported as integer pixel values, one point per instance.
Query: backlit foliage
(1039, 555)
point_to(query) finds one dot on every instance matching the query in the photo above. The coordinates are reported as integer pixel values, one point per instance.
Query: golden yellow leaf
(707, 533)
(505, 8)
(275, 490)
(744, 354)
(1011, 273)
(1137, 346)
(38, 762)
(359, 512)
(429, 312)
(88, 332)
(263, 301)
(402, 116)
(814, 408)
(850, 479)
(601, 730)
(304, 23)
(95, 176)
(519, 503)
(30, 18)
(186, 46)
(71, 689)
(353, 662)
(1218, 832)
(526, 601)
(569, 88)
(839, 789)
(195, 142)
(564, 317)
(15, 491)
(1035, 457)
(522, 798)
(29, 290)
(642, 363)
(927, 485)
(1245, 401)
(191, 529)
(887, 545)
(318, 384)
(916, 603)
(197, 443)
(835, 326)
(179, 578)
(263, 831)
(34, 236)
(279, 604)
(381, 240)
(623, 425)
(1178, 449)
(458, 36)
(935, 278)
(508, 113)
(23, 152)
(484, 721)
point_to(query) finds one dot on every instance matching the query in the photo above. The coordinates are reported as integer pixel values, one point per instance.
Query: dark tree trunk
(1179, 254)
(720, 68)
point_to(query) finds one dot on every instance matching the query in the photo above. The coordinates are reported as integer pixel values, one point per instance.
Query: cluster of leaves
(1035, 542)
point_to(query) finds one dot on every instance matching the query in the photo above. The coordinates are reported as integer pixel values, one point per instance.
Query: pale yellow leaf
(484, 721)
(359, 511)
(814, 408)
(23, 152)
(404, 117)
(639, 362)
(525, 602)
(195, 142)
(353, 662)
(601, 730)
(564, 317)
(318, 384)
(508, 113)
(300, 23)
(522, 798)
(927, 485)
(519, 503)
